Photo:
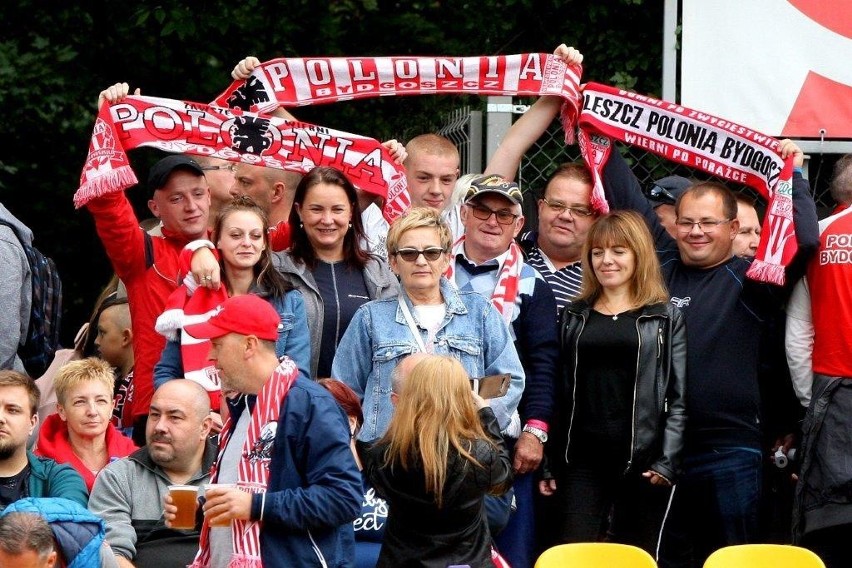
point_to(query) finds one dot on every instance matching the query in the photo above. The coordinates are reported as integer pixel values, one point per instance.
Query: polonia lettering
(671, 127)
(331, 76)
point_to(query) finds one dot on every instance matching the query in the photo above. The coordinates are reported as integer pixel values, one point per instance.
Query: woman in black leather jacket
(441, 454)
(615, 452)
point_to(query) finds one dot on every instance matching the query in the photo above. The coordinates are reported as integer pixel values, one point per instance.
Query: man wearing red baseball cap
(288, 455)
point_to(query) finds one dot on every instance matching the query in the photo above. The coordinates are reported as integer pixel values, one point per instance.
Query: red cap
(247, 315)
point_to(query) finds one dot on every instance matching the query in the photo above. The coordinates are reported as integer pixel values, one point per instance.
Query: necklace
(612, 312)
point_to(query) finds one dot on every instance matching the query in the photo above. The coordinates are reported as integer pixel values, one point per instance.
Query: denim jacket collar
(452, 301)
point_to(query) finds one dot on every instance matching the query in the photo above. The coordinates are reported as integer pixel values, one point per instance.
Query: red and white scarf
(698, 140)
(234, 135)
(253, 473)
(508, 279)
(299, 81)
(189, 305)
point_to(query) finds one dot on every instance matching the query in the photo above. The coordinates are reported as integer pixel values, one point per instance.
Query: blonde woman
(617, 449)
(81, 434)
(441, 455)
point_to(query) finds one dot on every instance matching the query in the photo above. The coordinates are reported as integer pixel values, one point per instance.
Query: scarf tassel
(245, 561)
(170, 323)
(763, 271)
(104, 184)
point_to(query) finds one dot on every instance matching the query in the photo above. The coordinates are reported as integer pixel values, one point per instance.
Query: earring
(301, 225)
(350, 225)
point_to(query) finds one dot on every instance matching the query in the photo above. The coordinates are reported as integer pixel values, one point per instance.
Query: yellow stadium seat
(595, 555)
(763, 556)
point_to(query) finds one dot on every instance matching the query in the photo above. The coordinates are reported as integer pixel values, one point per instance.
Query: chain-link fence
(463, 127)
(550, 150)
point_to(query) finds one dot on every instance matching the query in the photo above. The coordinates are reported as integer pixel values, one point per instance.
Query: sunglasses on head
(660, 193)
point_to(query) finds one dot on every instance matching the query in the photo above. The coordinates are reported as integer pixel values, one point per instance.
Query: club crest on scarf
(103, 145)
(250, 134)
(248, 94)
(261, 450)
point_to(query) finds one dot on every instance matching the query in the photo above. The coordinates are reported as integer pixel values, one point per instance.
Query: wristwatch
(537, 432)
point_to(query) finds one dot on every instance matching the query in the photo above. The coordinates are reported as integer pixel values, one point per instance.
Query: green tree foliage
(56, 57)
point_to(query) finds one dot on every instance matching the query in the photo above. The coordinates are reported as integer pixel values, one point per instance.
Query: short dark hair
(22, 531)
(729, 202)
(571, 170)
(10, 378)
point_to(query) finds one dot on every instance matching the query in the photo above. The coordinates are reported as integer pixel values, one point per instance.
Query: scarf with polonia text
(698, 140)
(234, 135)
(298, 81)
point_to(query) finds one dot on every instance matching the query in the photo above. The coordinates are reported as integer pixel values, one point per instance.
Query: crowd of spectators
(343, 391)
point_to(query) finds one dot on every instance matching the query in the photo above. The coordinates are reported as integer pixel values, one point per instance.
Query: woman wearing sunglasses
(431, 316)
(327, 262)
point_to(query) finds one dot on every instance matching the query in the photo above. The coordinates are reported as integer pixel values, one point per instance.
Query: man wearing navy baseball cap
(286, 449)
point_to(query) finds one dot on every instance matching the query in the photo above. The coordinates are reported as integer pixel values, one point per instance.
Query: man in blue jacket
(286, 446)
(52, 531)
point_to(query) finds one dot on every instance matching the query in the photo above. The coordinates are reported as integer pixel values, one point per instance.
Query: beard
(7, 450)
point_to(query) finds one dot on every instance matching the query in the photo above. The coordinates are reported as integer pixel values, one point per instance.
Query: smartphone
(492, 386)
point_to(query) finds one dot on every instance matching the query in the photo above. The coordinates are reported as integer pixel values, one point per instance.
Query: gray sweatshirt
(15, 289)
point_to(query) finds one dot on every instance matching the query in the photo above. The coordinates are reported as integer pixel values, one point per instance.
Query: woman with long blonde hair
(441, 454)
(616, 451)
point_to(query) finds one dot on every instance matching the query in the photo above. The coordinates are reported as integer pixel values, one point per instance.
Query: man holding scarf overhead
(715, 502)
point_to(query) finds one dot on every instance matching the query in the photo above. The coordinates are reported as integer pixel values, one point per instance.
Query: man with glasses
(564, 217)
(487, 260)
(715, 502)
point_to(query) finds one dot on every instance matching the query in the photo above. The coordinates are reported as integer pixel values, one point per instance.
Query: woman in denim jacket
(431, 316)
(242, 241)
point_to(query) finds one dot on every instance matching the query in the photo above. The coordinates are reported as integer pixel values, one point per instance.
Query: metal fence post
(498, 123)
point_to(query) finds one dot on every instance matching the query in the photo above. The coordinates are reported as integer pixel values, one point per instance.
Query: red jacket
(54, 443)
(148, 286)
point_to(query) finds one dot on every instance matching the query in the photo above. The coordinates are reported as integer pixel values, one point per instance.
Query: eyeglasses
(559, 208)
(411, 254)
(685, 225)
(230, 167)
(483, 213)
(660, 193)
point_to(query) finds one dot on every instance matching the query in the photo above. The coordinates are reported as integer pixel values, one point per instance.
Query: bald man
(128, 494)
(271, 188)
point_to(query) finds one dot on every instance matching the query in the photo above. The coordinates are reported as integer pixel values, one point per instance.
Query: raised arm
(529, 127)
(804, 212)
(623, 191)
(242, 71)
